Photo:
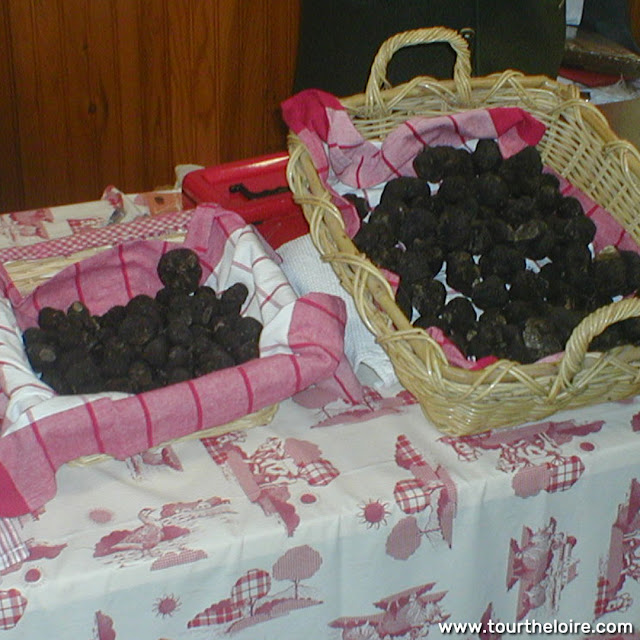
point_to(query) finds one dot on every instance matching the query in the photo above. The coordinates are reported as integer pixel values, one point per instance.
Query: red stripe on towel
(96, 426)
(296, 368)
(41, 442)
(315, 305)
(196, 399)
(78, 283)
(247, 384)
(125, 274)
(147, 419)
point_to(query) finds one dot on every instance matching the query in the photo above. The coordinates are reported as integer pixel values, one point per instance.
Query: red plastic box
(255, 188)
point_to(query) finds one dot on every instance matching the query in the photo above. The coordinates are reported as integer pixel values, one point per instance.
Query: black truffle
(156, 351)
(455, 189)
(491, 292)
(569, 207)
(435, 163)
(486, 156)
(609, 273)
(138, 329)
(82, 375)
(580, 229)
(454, 228)
(405, 189)
(491, 190)
(502, 260)
(413, 267)
(216, 358)
(428, 297)
(540, 337)
(528, 286)
(522, 171)
(462, 272)
(458, 315)
(141, 375)
(360, 204)
(117, 356)
(232, 298)
(42, 355)
(112, 318)
(51, 319)
(180, 269)
(632, 265)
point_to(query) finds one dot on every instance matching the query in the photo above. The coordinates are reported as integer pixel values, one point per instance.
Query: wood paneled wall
(98, 92)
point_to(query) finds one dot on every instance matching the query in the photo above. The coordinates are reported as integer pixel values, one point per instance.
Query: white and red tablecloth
(340, 521)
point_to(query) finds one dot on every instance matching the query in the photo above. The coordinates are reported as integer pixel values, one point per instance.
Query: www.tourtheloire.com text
(532, 626)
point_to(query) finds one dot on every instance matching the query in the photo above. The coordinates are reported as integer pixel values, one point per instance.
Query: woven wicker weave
(28, 274)
(580, 146)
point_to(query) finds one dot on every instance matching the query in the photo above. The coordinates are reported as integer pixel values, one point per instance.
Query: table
(341, 522)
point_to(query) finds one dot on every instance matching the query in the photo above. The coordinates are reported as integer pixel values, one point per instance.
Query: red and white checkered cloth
(252, 586)
(301, 345)
(406, 454)
(12, 607)
(13, 550)
(563, 473)
(318, 473)
(222, 612)
(411, 495)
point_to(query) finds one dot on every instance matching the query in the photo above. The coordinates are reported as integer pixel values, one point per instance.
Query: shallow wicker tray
(579, 145)
(27, 274)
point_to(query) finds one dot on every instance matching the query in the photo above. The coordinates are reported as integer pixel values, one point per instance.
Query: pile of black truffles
(500, 234)
(185, 331)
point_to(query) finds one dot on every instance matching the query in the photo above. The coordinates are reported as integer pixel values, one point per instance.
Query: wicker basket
(580, 146)
(27, 274)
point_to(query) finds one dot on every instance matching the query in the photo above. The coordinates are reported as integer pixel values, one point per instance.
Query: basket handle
(594, 324)
(378, 74)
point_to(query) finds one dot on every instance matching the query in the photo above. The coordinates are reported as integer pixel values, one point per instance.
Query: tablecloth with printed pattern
(342, 522)
(338, 522)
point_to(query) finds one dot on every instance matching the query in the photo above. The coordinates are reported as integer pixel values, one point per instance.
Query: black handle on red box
(242, 189)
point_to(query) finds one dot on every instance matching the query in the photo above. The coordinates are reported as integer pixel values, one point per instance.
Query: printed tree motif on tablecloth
(373, 405)
(103, 627)
(533, 454)
(266, 475)
(542, 566)
(12, 607)
(429, 499)
(405, 615)
(248, 604)
(623, 560)
(162, 536)
(297, 564)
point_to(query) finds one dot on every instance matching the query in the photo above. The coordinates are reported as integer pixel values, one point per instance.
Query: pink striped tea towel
(346, 161)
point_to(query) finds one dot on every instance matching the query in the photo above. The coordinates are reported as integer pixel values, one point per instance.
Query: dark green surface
(339, 39)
